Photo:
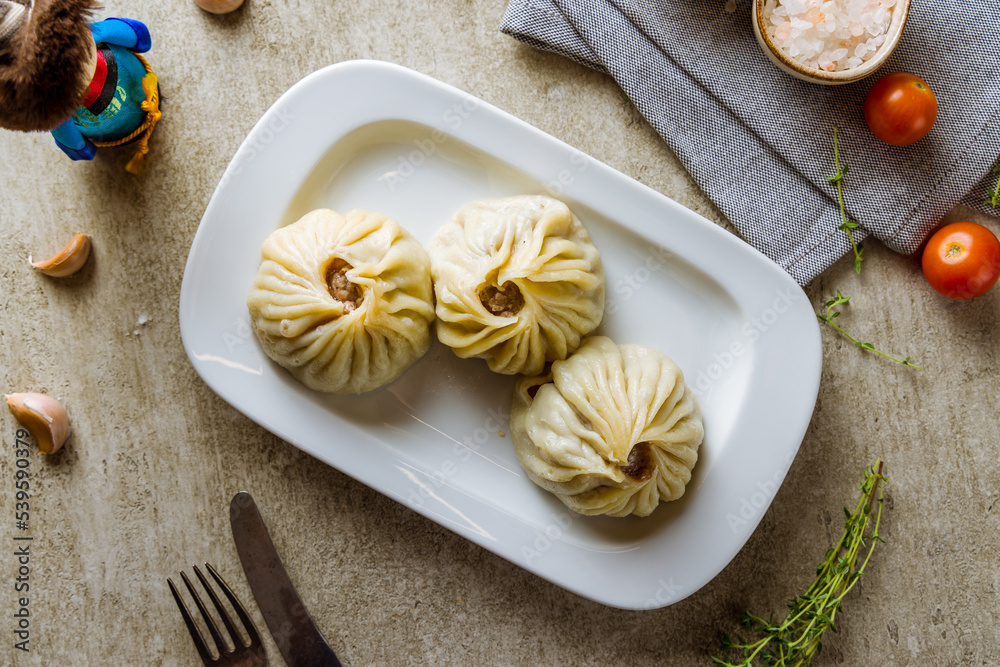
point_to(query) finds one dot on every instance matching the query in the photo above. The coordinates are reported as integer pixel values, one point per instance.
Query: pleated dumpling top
(518, 282)
(611, 430)
(344, 302)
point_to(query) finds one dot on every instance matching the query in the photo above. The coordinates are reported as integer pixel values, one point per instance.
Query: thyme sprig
(831, 315)
(798, 638)
(846, 225)
(995, 197)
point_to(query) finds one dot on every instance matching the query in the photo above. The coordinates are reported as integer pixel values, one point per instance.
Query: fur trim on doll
(43, 64)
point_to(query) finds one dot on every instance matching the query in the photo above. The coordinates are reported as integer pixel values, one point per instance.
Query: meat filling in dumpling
(340, 286)
(505, 301)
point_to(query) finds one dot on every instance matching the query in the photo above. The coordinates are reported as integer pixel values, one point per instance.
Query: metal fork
(241, 655)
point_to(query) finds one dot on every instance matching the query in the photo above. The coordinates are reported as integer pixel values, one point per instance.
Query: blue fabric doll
(84, 82)
(111, 108)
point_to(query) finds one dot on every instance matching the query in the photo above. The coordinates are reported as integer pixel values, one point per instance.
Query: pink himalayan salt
(831, 35)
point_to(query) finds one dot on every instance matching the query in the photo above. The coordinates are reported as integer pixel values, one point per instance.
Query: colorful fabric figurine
(86, 83)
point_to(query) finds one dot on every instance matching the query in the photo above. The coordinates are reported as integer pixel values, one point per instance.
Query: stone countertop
(142, 489)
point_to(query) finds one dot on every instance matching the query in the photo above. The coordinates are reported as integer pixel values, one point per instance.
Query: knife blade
(293, 629)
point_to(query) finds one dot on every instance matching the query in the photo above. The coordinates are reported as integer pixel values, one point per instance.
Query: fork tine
(236, 636)
(240, 610)
(220, 645)
(199, 643)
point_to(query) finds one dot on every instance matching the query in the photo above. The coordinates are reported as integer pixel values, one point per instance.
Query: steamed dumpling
(518, 282)
(611, 430)
(343, 302)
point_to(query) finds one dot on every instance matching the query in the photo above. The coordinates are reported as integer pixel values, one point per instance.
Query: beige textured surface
(142, 489)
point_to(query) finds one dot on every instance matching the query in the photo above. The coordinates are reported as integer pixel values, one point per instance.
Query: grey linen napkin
(760, 143)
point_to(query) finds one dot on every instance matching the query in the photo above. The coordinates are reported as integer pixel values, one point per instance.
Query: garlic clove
(219, 6)
(44, 417)
(67, 261)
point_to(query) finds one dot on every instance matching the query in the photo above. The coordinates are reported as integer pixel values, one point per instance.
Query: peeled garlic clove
(219, 6)
(44, 417)
(67, 261)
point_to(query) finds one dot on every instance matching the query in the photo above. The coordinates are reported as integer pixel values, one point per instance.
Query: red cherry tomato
(962, 260)
(900, 109)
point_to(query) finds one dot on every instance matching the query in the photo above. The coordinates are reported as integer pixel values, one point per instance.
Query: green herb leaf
(832, 314)
(846, 225)
(995, 197)
(798, 638)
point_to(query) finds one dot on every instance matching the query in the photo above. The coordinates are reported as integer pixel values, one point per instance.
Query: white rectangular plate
(380, 137)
